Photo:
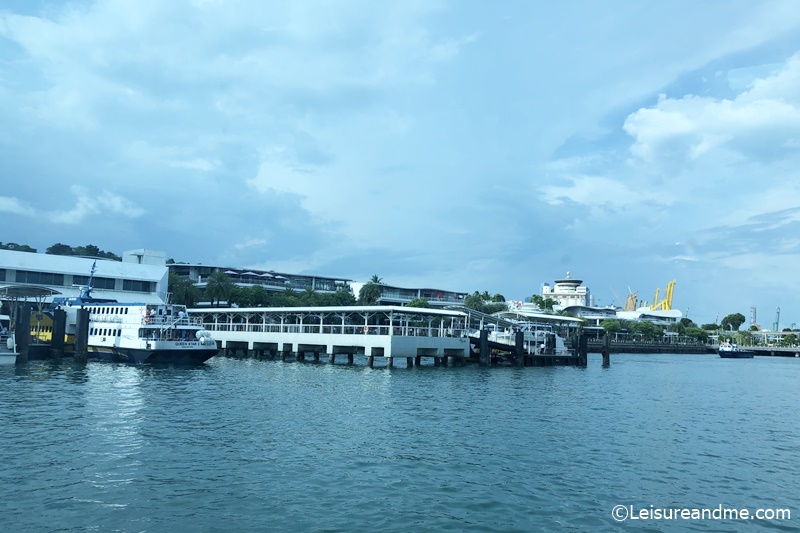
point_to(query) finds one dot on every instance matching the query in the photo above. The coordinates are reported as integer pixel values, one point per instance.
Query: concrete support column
(59, 327)
(350, 358)
(316, 357)
(451, 361)
(82, 336)
(437, 361)
(332, 359)
(22, 333)
(389, 362)
(418, 360)
(409, 362)
(606, 351)
(370, 360)
(519, 348)
(483, 346)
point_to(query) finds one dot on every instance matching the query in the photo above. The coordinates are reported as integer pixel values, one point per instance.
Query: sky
(460, 145)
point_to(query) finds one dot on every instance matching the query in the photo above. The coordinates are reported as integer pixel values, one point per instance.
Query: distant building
(575, 300)
(141, 276)
(568, 292)
(269, 279)
(438, 298)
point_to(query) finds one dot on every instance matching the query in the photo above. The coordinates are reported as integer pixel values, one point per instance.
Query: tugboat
(137, 332)
(729, 350)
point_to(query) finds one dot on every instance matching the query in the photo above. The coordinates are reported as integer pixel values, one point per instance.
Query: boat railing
(169, 320)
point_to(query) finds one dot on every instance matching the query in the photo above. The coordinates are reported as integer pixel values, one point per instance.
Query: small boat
(136, 332)
(729, 350)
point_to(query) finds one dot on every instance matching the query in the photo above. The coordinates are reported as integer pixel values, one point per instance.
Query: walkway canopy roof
(23, 292)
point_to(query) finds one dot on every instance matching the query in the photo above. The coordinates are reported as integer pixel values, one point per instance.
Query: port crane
(666, 303)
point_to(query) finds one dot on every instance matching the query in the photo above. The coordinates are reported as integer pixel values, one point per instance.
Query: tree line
(90, 250)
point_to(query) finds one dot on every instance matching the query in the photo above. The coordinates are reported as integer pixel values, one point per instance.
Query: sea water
(253, 445)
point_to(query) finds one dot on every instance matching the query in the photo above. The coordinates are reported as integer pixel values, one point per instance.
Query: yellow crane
(666, 303)
(630, 301)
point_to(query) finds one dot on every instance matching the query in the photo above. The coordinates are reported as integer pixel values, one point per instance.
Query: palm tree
(183, 290)
(219, 287)
(376, 279)
(369, 293)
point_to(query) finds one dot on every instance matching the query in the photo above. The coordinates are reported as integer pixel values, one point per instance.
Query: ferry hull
(158, 357)
(736, 355)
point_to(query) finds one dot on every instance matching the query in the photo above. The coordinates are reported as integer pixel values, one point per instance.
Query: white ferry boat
(137, 332)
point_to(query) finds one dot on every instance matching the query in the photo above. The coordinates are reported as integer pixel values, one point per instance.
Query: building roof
(80, 266)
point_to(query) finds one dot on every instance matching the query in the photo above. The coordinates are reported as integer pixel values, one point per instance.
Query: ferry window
(126, 310)
(2, 274)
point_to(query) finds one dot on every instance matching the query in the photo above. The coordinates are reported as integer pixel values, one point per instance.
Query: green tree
(419, 302)
(698, 334)
(611, 325)
(710, 327)
(647, 330)
(342, 297)
(545, 304)
(677, 327)
(219, 287)
(732, 322)
(369, 293)
(376, 279)
(17, 247)
(687, 323)
(59, 249)
(183, 290)
(790, 339)
(310, 298)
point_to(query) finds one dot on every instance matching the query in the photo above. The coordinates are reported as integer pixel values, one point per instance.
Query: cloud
(763, 122)
(203, 165)
(87, 205)
(250, 243)
(16, 206)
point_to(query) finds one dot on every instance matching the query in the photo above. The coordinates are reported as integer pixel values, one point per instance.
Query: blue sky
(463, 145)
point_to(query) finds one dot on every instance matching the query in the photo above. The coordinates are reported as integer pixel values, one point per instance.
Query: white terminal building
(568, 292)
(141, 276)
(575, 299)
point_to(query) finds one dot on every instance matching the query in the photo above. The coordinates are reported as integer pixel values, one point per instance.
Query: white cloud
(87, 205)
(16, 206)
(758, 120)
(250, 243)
(203, 165)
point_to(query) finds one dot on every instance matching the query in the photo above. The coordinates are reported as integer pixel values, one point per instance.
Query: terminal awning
(23, 292)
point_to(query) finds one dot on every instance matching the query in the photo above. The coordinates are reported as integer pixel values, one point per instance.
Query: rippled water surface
(246, 445)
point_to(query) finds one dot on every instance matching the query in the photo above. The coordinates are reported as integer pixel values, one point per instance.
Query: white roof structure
(76, 269)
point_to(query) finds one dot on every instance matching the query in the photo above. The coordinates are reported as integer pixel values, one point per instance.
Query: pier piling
(22, 333)
(59, 327)
(519, 348)
(606, 350)
(483, 346)
(82, 336)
